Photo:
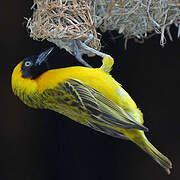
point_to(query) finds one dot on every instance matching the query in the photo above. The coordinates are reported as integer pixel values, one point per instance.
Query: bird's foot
(78, 53)
(85, 46)
(78, 45)
(77, 49)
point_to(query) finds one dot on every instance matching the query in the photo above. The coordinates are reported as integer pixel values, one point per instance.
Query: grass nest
(62, 21)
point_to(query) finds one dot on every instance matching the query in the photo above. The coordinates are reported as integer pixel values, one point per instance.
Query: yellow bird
(89, 96)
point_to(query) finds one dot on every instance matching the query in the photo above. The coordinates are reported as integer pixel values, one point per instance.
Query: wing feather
(104, 110)
(89, 107)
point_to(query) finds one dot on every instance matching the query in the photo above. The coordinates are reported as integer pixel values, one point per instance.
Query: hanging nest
(62, 21)
(137, 18)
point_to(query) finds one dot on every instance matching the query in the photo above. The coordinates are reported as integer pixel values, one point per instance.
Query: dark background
(44, 145)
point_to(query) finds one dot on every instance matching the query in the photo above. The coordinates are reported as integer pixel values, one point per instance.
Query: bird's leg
(79, 54)
(108, 61)
(87, 41)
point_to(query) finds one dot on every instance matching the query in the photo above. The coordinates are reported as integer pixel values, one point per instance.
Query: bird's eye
(28, 63)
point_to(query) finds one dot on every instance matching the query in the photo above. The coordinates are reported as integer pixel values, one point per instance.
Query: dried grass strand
(61, 21)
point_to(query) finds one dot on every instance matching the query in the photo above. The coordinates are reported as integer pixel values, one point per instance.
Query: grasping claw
(78, 45)
(87, 41)
(77, 49)
(78, 53)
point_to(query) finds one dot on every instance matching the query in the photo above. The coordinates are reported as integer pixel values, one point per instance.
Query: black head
(34, 66)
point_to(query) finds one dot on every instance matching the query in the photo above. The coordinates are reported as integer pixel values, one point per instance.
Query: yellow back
(93, 77)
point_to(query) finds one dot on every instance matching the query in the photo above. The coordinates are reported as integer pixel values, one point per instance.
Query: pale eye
(28, 63)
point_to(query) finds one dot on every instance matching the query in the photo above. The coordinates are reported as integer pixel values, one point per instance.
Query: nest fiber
(137, 18)
(61, 21)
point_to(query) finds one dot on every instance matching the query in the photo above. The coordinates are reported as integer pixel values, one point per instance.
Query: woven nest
(137, 18)
(61, 21)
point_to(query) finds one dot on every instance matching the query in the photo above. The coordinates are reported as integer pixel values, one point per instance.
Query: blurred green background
(44, 145)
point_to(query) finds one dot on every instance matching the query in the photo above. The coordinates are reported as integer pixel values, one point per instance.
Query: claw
(79, 54)
(91, 37)
(78, 45)
(84, 46)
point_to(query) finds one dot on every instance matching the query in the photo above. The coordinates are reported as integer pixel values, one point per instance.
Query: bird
(89, 96)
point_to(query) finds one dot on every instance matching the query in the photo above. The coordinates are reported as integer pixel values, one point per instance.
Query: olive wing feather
(104, 113)
(102, 109)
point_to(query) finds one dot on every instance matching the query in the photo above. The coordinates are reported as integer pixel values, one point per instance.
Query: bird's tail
(146, 146)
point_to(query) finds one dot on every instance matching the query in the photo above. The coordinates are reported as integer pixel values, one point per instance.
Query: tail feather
(146, 146)
(162, 160)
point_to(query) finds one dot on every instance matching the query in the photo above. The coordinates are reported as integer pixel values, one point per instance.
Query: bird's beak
(43, 56)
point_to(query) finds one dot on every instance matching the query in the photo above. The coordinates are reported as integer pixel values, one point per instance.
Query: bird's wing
(94, 109)
(103, 111)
